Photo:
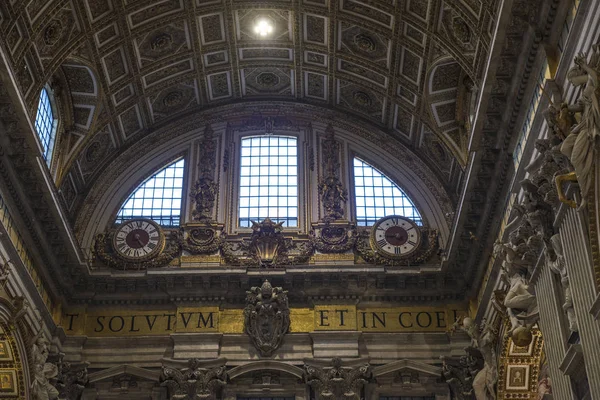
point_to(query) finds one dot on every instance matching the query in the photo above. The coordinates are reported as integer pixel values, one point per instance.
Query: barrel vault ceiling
(123, 67)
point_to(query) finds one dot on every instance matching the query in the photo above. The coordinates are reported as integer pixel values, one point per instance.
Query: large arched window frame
(46, 123)
(159, 197)
(376, 195)
(387, 174)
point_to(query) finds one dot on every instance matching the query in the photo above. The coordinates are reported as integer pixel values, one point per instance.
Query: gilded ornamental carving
(267, 247)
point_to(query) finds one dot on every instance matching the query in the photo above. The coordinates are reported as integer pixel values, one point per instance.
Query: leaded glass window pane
(158, 198)
(44, 125)
(377, 196)
(269, 180)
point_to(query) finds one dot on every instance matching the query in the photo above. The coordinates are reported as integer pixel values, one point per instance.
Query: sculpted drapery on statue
(556, 262)
(484, 341)
(43, 371)
(582, 143)
(266, 317)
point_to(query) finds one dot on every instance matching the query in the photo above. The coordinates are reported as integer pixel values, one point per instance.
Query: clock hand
(137, 239)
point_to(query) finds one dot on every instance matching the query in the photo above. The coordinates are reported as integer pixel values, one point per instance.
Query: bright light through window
(44, 125)
(158, 198)
(377, 196)
(269, 180)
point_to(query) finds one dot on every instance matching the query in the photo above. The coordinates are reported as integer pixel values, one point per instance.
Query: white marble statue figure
(556, 263)
(520, 303)
(43, 371)
(512, 261)
(484, 382)
(581, 146)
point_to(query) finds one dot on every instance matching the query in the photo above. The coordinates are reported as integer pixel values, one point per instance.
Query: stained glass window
(269, 180)
(377, 196)
(158, 198)
(44, 125)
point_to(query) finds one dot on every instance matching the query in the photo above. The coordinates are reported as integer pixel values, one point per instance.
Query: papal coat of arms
(266, 317)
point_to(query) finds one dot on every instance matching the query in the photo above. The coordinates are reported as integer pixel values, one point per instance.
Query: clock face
(395, 236)
(138, 239)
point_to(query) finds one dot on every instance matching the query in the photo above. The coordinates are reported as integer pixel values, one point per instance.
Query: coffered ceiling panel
(399, 64)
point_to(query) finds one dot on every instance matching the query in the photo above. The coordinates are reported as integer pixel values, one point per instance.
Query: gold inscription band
(101, 323)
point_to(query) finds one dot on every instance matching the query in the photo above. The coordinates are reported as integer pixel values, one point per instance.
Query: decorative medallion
(266, 317)
(334, 237)
(202, 238)
(161, 41)
(53, 32)
(361, 98)
(173, 99)
(364, 42)
(267, 79)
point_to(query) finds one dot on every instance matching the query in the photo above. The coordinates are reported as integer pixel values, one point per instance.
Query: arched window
(377, 196)
(158, 198)
(45, 126)
(269, 180)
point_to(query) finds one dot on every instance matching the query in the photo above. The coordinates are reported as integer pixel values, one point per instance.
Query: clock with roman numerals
(395, 236)
(138, 240)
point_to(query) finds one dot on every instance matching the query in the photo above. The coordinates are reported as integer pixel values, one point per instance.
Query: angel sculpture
(521, 307)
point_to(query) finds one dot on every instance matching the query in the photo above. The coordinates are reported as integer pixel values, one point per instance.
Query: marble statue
(521, 306)
(581, 145)
(556, 262)
(482, 339)
(43, 371)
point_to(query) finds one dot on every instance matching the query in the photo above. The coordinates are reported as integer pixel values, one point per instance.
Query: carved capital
(194, 382)
(338, 382)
